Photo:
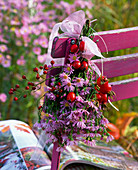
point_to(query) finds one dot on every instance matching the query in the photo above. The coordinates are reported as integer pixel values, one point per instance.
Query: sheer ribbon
(72, 27)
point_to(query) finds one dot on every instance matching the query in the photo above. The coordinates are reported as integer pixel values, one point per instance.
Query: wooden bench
(113, 67)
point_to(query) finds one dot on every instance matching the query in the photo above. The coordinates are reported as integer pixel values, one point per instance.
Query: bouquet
(75, 97)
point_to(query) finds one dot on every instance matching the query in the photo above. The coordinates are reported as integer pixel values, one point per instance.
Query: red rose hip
(76, 64)
(71, 97)
(74, 48)
(82, 45)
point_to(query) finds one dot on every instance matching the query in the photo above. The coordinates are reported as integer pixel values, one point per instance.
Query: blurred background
(25, 27)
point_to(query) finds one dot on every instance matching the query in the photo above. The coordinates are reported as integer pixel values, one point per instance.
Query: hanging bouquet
(76, 96)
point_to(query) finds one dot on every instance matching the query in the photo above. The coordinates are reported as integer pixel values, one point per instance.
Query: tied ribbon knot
(72, 27)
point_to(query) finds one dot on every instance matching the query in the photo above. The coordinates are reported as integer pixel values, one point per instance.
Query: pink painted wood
(114, 39)
(125, 89)
(119, 66)
(55, 158)
(118, 39)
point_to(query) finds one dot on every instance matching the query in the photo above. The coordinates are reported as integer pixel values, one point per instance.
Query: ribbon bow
(72, 27)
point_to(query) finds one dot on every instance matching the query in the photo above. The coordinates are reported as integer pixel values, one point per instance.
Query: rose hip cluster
(103, 88)
(82, 65)
(31, 86)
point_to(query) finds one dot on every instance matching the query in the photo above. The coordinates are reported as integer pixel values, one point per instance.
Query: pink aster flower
(65, 104)
(18, 43)
(43, 27)
(68, 85)
(79, 99)
(64, 77)
(1, 58)
(43, 41)
(73, 57)
(85, 91)
(109, 138)
(3, 48)
(36, 94)
(104, 121)
(6, 63)
(68, 69)
(42, 58)
(90, 143)
(81, 125)
(37, 50)
(78, 81)
(21, 61)
(3, 97)
(86, 82)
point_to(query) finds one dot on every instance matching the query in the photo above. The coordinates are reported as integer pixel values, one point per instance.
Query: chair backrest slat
(118, 66)
(118, 39)
(125, 89)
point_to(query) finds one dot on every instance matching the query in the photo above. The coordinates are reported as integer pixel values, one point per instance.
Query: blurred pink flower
(18, 43)
(21, 61)
(3, 48)
(37, 50)
(6, 63)
(1, 58)
(25, 30)
(42, 58)
(36, 94)
(2, 39)
(3, 97)
(43, 41)
(89, 14)
(36, 30)
(43, 28)
(36, 42)
(84, 4)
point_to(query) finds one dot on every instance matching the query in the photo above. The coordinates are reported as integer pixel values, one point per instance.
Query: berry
(84, 66)
(27, 87)
(11, 89)
(101, 80)
(17, 86)
(53, 89)
(82, 45)
(74, 48)
(105, 88)
(71, 96)
(14, 89)
(52, 62)
(45, 67)
(59, 84)
(37, 76)
(41, 67)
(76, 64)
(25, 96)
(102, 98)
(35, 69)
(23, 77)
(29, 83)
(15, 98)
(39, 107)
(10, 92)
(32, 84)
(33, 88)
(45, 72)
(57, 95)
(60, 90)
